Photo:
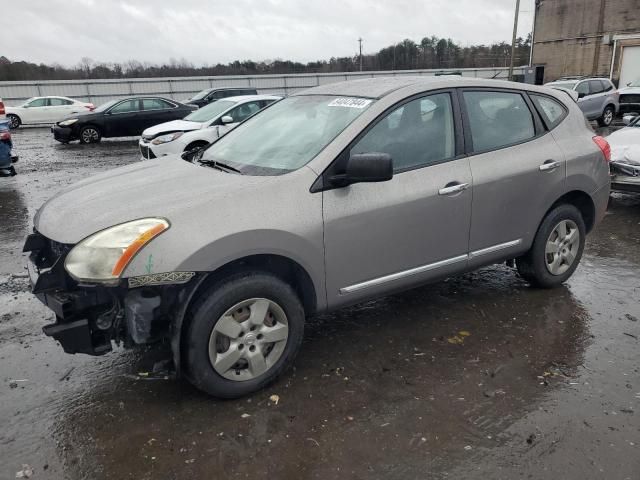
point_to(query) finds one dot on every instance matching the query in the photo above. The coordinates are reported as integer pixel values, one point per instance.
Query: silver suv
(327, 198)
(597, 97)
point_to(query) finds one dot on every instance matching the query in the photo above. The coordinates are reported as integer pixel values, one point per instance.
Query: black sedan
(119, 118)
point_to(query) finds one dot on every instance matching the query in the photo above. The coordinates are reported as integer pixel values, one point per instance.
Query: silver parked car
(597, 97)
(327, 198)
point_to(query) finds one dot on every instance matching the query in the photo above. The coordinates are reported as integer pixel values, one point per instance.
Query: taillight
(5, 136)
(2, 108)
(604, 146)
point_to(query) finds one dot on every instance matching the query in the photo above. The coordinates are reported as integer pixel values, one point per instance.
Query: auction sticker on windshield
(350, 102)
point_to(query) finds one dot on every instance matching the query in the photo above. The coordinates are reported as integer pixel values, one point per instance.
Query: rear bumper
(623, 183)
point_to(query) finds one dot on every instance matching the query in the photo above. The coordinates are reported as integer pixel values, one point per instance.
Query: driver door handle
(453, 188)
(549, 165)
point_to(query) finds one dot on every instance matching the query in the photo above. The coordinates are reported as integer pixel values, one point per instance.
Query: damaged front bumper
(139, 310)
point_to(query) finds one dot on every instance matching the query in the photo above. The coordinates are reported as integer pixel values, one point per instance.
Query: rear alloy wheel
(556, 250)
(607, 117)
(90, 134)
(14, 121)
(242, 334)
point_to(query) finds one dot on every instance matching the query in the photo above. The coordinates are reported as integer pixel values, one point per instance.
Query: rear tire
(90, 134)
(14, 121)
(556, 250)
(237, 318)
(607, 116)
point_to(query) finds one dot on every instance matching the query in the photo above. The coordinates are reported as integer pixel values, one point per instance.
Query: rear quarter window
(551, 111)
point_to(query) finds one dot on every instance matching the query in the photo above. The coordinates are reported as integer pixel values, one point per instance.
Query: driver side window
(38, 102)
(126, 107)
(417, 134)
(243, 111)
(583, 88)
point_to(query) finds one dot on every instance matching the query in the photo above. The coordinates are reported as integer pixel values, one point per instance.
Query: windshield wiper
(219, 165)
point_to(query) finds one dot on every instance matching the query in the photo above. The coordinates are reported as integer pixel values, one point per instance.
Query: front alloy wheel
(241, 333)
(89, 135)
(248, 339)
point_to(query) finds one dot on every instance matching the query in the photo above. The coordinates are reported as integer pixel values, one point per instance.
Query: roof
(382, 86)
(244, 98)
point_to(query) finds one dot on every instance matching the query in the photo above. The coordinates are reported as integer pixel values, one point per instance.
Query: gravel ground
(546, 384)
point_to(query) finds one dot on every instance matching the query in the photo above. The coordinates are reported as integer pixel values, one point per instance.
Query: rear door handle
(452, 188)
(549, 165)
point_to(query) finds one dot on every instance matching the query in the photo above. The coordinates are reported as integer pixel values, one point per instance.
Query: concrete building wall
(569, 34)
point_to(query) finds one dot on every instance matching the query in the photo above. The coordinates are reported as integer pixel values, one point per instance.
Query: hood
(624, 136)
(83, 114)
(628, 90)
(166, 187)
(173, 126)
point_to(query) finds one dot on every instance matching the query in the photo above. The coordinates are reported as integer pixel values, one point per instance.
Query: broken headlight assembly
(103, 256)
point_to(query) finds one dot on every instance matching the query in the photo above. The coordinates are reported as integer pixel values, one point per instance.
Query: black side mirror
(581, 94)
(365, 168)
(194, 154)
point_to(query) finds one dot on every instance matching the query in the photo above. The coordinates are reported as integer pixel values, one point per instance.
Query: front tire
(90, 134)
(607, 116)
(242, 334)
(14, 121)
(556, 250)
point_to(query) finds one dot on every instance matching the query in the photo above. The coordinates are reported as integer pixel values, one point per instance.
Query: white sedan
(200, 127)
(625, 157)
(38, 110)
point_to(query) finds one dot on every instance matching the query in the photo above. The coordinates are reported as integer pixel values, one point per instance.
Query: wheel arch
(195, 144)
(15, 115)
(582, 201)
(280, 266)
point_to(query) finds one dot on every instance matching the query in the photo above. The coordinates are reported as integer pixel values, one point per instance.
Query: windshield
(28, 101)
(286, 135)
(200, 95)
(567, 85)
(106, 106)
(210, 111)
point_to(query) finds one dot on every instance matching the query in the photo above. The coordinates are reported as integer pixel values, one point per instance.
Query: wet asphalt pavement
(539, 384)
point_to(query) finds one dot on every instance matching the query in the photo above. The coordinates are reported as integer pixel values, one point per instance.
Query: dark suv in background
(205, 97)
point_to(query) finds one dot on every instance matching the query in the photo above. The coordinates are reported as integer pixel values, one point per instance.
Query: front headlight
(103, 256)
(66, 123)
(170, 137)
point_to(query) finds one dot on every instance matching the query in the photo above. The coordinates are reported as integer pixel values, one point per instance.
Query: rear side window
(155, 104)
(551, 111)
(607, 85)
(498, 119)
(419, 133)
(56, 102)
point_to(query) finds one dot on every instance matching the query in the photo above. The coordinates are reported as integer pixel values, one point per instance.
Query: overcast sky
(212, 31)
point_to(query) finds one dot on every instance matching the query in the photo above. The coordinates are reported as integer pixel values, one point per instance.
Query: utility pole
(360, 42)
(513, 39)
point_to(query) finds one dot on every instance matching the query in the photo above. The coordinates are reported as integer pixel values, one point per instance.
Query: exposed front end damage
(89, 317)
